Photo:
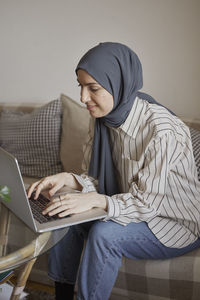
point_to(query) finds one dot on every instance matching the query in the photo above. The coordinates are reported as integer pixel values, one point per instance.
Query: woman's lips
(90, 107)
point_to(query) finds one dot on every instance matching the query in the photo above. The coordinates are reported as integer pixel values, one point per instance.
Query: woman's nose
(85, 96)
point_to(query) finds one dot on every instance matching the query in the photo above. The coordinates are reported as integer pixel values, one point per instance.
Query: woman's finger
(32, 188)
(56, 203)
(55, 188)
(55, 208)
(40, 187)
(63, 209)
(66, 213)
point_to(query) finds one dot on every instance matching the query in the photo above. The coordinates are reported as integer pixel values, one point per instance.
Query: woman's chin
(95, 114)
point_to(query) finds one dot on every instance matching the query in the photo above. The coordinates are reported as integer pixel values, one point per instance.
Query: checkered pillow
(34, 138)
(195, 135)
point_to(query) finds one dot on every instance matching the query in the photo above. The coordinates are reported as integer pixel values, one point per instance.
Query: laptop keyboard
(37, 206)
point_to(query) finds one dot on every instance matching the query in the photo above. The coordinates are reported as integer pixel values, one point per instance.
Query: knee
(101, 233)
(102, 238)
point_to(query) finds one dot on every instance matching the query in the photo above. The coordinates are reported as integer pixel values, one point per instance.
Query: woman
(139, 167)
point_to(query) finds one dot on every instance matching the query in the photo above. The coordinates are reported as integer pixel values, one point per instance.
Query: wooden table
(20, 246)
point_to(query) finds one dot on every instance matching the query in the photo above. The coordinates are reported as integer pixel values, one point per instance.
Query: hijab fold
(117, 69)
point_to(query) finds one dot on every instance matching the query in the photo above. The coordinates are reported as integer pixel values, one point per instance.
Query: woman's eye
(94, 89)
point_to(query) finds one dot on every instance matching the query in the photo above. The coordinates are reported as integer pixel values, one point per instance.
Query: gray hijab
(117, 69)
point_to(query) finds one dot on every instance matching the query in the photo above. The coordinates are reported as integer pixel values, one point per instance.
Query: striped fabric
(195, 136)
(156, 172)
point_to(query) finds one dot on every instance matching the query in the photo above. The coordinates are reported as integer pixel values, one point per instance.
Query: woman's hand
(53, 183)
(74, 203)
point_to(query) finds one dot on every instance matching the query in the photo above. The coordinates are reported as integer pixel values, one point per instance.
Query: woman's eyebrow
(91, 83)
(88, 83)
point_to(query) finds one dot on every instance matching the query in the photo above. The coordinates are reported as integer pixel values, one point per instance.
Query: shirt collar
(129, 126)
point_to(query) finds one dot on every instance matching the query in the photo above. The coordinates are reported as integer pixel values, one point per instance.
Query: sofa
(47, 138)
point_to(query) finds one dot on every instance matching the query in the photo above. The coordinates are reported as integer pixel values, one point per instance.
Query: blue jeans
(106, 243)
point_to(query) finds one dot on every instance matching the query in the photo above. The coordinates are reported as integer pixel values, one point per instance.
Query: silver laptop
(22, 207)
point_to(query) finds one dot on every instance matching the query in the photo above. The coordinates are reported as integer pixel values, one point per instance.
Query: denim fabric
(106, 243)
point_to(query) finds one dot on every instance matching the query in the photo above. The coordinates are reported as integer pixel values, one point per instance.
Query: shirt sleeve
(144, 198)
(88, 183)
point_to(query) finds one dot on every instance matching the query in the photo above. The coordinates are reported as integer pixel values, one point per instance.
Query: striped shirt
(152, 153)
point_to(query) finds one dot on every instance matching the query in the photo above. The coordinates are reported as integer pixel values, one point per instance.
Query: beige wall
(42, 40)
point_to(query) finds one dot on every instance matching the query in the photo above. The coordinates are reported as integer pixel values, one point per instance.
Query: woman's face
(99, 101)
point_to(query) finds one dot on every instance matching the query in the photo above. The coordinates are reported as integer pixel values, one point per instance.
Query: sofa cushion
(34, 138)
(195, 136)
(75, 127)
